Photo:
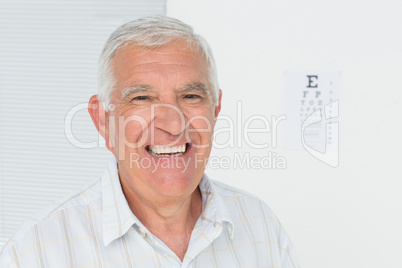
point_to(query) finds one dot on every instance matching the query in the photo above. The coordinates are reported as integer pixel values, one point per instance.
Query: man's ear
(98, 115)
(218, 107)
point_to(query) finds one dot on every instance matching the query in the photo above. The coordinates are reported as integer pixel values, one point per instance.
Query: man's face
(162, 118)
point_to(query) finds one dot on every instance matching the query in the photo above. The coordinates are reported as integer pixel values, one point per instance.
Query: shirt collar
(118, 217)
(214, 209)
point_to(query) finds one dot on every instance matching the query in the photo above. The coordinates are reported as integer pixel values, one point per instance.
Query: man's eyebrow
(196, 86)
(134, 89)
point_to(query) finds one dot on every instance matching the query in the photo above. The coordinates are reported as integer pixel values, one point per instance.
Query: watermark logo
(257, 133)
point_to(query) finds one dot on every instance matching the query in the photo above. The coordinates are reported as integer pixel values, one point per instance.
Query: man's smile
(163, 151)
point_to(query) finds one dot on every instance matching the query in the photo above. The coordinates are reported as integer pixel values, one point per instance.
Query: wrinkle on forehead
(130, 51)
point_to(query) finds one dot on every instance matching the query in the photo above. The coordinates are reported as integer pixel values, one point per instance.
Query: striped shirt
(96, 228)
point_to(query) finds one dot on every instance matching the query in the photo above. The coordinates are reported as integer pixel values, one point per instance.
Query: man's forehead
(172, 57)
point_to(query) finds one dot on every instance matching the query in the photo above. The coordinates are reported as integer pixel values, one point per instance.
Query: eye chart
(311, 104)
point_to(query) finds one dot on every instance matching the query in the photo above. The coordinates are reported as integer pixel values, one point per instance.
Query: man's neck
(168, 214)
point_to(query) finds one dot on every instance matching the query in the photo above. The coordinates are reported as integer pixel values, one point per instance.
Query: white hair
(152, 32)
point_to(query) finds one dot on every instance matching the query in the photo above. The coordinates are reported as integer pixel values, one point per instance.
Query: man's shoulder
(87, 194)
(73, 203)
(253, 219)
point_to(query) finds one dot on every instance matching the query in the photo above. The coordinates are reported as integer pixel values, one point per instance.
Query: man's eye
(140, 98)
(192, 96)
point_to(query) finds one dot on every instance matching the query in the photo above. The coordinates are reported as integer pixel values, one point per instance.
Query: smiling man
(164, 113)
(157, 105)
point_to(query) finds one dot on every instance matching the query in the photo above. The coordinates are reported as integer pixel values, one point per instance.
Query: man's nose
(169, 118)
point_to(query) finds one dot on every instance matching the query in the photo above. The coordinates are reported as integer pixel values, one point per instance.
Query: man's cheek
(131, 131)
(201, 137)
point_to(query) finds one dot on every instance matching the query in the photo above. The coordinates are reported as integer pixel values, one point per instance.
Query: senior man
(157, 105)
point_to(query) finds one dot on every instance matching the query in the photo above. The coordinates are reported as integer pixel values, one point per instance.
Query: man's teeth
(158, 149)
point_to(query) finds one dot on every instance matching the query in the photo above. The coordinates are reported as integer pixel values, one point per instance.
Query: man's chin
(174, 182)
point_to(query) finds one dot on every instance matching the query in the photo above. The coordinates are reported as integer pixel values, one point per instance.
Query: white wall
(349, 216)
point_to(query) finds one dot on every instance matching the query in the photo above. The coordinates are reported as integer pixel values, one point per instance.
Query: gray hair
(152, 32)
